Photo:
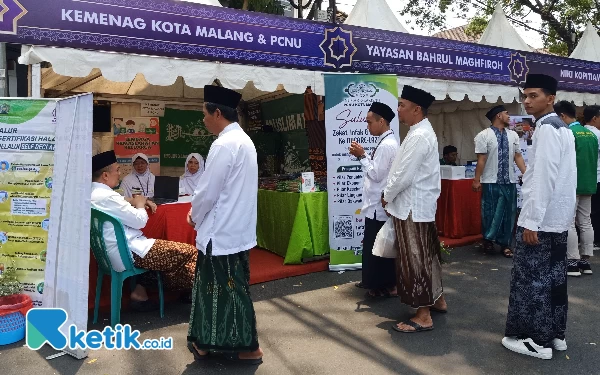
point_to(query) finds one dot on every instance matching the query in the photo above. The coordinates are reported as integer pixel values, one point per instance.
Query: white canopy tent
(375, 14)
(500, 33)
(588, 47)
(214, 3)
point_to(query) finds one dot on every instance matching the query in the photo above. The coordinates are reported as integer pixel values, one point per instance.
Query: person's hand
(530, 237)
(189, 219)
(383, 202)
(476, 185)
(152, 206)
(356, 149)
(139, 201)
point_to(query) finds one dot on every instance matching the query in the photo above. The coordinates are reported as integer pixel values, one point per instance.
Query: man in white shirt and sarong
(497, 149)
(176, 261)
(378, 274)
(224, 213)
(538, 303)
(411, 195)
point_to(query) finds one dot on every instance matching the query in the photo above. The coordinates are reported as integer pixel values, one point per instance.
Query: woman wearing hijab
(194, 167)
(140, 180)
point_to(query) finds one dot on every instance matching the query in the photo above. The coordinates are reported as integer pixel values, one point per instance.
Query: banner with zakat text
(348, 98)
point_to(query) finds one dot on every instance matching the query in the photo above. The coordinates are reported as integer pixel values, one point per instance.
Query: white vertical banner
(347, 101)
(68, 256)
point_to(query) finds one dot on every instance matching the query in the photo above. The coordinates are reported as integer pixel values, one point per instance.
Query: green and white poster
(182, 132)
(286, 116)
(347, 101)
(27, 141)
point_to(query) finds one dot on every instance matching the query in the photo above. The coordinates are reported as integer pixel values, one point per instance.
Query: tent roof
(588, 47)
(75, 71)
(375, 14)
(500, 33)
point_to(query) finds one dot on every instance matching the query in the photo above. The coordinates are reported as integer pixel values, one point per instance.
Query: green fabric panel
(181, 133)
(276, 214)
(293, 225)
(310, 234)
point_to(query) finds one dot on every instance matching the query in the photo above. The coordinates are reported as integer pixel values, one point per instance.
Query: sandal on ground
(417, 327)
(387, 294)
(235, 357)
(507, 253)
(360, 285)
(373, 294)
(435, 309)
(488, 247)
(197, 356)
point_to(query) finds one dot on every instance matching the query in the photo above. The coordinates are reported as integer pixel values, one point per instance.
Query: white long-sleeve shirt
(133, 219)
(414, 183)
(376, 174)
(550, 182)
(224, 206)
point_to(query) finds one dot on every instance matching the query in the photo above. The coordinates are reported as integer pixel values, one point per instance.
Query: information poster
(523, 125)
(137, 135)
(27, 140)
(348, 98)
(182, 133)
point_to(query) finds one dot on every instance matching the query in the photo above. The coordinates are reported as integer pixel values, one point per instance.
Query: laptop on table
(166, 190)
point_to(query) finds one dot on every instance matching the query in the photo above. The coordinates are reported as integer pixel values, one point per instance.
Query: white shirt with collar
(376, 174)
(550, 182)
(414, 182)
(224, 206)
(595, 130)
(133, 219)
(486, 142)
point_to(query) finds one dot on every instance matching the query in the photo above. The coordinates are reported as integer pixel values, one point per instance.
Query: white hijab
(134, 181)
(189, 181)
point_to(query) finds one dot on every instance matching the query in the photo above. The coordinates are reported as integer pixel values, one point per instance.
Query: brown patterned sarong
(418, 267)
(175, 260)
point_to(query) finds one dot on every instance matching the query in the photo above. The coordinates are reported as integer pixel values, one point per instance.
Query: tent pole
(36, 80)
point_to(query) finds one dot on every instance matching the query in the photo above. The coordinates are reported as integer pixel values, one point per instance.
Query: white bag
(385, 242)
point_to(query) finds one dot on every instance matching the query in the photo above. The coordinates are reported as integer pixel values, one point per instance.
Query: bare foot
(257, 354)
(201, 352)
(441, 304)
(139, 294)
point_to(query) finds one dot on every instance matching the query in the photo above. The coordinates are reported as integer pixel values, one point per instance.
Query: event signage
(27, 140)
(194, 31)
(137, 135)
(349, 97)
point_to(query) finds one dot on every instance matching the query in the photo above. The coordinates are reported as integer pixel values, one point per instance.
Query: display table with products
(458, 209)
(293, 225)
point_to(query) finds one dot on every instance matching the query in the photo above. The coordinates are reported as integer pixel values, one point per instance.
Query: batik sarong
(498, 212)
(222, 316)
(175, 260)
(538, 289)
(418, 267)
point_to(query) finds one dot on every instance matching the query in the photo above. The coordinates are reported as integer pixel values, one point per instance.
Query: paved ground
(320, 324)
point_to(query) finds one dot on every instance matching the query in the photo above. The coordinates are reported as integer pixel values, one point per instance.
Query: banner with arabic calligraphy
(183, 132)
(348, 98)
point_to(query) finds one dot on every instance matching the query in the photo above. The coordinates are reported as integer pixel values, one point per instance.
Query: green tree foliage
(263, 6)
(563, 21)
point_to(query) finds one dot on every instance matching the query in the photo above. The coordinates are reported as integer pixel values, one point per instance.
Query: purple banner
(187, 30)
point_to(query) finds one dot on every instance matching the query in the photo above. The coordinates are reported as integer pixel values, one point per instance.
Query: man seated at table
(450, 154)
(176, 261)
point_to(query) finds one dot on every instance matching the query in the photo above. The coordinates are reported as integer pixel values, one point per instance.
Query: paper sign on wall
(308, 182)
(153, 109)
